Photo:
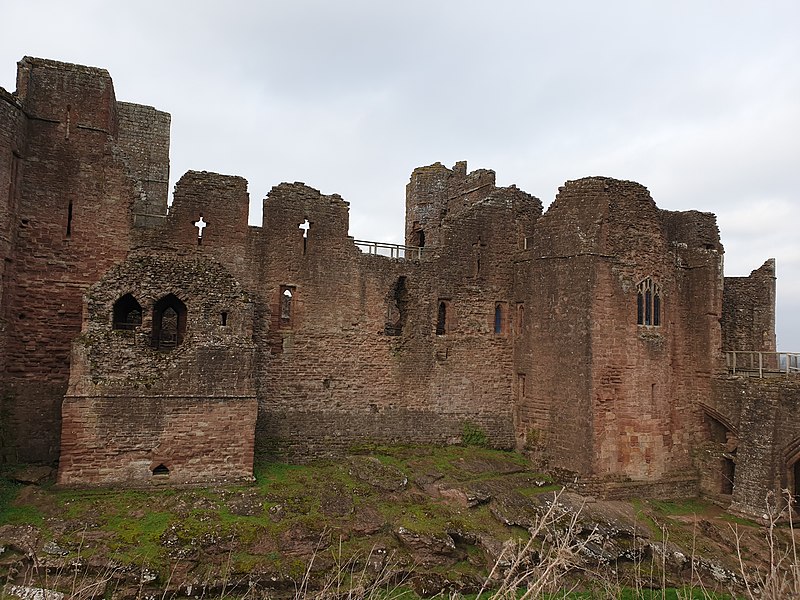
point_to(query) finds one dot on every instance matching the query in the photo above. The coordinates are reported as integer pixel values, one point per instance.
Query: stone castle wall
(588, 336)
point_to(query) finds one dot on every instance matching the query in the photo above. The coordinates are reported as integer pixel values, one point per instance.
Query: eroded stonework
(143, 344)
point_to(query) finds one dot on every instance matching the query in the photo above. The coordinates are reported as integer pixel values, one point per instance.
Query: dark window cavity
(648, 303)
(127, 313)
(169, 323)
(397, 308)
(161, 471)
(69, 219)
(500, 317)
(417, 235)
(223, 318)
(441, 318)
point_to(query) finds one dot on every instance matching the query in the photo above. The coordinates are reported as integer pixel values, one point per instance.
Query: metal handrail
(396, 251)
(749, 362)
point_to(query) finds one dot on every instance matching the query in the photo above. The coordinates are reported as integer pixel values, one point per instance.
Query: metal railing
(762, 364)
(397, 251)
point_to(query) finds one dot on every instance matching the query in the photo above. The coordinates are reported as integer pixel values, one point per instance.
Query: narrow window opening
(127, 314)
(12, 187)
(441, 318)
(223, 318)
(287, 297)
(200, 224)
(479, 246)
(417, 235)
(520, 318)
(520, 386)
(796, 482)
(305, 226)
(69, 219)
(169, 323)
(656, 308)
(648, 303)
(161, 471)
(728, 475)
(498, 318)
(639, 308)
(397, 308)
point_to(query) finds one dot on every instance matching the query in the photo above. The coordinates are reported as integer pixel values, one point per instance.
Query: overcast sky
(697, 100)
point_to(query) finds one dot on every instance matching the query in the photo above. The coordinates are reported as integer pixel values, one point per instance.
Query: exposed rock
(370, 470)
(428, 550)
(336, 503)
(22, 539)
(303, 541)
(54, 549)
(24, 592)
(32, 474)
(246, 505)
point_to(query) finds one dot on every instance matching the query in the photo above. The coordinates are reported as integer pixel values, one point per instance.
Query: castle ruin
(142, 344)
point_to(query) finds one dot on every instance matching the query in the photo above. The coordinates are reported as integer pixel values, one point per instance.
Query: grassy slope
(299, 518)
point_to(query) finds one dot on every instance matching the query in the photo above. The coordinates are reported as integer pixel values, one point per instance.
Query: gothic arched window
(648, 303)
(169, 322)
(127, 313)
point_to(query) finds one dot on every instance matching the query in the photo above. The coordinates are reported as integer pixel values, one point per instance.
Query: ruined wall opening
(69, 220)
(305, 226)
(648, 303)
(169, 323)
(500, 318)
(728, 475)
(161, 471)
(795, 481)
(127, 313)
(417, 235)
(442, 326)
(724, 444)
(397, 308)
(287, 304)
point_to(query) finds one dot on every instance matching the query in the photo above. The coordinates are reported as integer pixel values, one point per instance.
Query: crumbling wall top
(55, 91)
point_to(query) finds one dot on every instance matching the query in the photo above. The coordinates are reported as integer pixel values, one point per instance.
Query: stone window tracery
(648, 303)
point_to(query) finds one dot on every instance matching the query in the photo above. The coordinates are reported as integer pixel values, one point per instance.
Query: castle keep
(143, 344)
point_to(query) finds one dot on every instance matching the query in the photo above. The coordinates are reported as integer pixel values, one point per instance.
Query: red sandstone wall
(332, 377)
(143, 135)
(763, 416)
(616, 382)
(131, 406)
(58, 251)
(748, 317)
(121, 440)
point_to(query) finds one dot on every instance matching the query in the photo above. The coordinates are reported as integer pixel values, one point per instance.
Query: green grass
(738, 520)
(15, 514)
(690, 506)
